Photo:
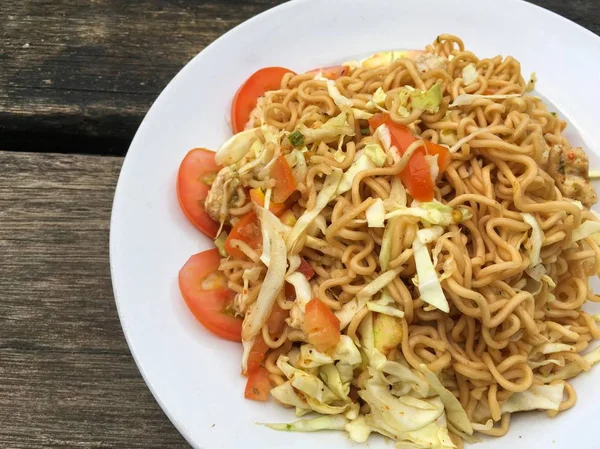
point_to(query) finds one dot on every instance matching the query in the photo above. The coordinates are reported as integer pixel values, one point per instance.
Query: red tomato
(321, 326)
(247, 229)
(258, 386)
(276, 321)
(332, 72)
(257, 354)
(196, 172)
(285, 183)
(206, 294)
(306, 269)
(258, 197)
(417, 175)
(247, 95)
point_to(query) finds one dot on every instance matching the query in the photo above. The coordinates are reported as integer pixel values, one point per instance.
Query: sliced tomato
(258, 385)
(285, 183)
(417, 175)
(306, 269)
(204, 289)
(257, 196)
(247, 229)
(257, 354)
(321, 326)
(276, 321)
(289, 291)
(247, 95)
(332, 72)
(196, 173)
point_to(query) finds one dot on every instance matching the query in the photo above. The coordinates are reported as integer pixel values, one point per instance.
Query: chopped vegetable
(220, 243)
(192, 190)
(257, 196)
(245, 99)
(469, 74)
(323, 197)
(285, 183)
(537, 239)
(537, 397)
(259, 311)
(428, 101)
(206, 294)
(429, 284)
(296, 138)
(469, 99)
(321, 326)
(247, 229)
(236, 147)
(387, 332)
(374, 152)
(258, 385)
(586, 229)
(376, 214)
(331, 130)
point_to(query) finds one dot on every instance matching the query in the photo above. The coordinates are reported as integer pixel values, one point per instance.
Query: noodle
(499, 315)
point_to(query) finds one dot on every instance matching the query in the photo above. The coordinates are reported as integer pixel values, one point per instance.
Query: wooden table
(75, 82)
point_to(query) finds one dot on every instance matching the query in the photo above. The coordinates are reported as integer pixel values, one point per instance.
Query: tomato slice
(417, 175)
(321, 326)
(247, 95)
(276, 321)
(196, 172)
(247, 229)
(257, 354)
(306, 269)
(285, 183)
(204, 289)
(258, 385)
(257, 196)
(332, 72)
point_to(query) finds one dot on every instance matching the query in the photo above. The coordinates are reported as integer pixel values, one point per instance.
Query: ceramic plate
(194, 376)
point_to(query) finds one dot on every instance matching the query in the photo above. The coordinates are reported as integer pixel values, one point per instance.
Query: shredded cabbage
(428, 101)
(257, 314)
(376, 154)
(537, 239)
(361, 162)
(385, 305)
(236, 147)
(469, 99)
(434, 168)
(386, 245)
(335, 422)
(376, 214)
(328, 191)
(430, 288)
(454, 410)
(586, 229)
(331, 130)
(432, 212)
(537, 397)
(469, 74)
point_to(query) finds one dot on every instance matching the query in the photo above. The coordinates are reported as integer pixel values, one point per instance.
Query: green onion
(296, 138)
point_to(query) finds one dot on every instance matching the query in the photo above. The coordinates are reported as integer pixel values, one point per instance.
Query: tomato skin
(246, 229)
(285, 183)
(276, 321)
(321, 326)
(204, 290)
(258, 197)
(258, 386)
(244, 101)
(417, 175)
(198, 164)
(257, 354)
(306, 269)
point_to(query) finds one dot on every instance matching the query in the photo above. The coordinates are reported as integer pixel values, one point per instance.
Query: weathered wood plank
(67, 379)
(79, 76)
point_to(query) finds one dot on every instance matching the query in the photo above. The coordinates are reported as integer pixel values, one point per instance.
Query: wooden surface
(81, 75)
(78, 77)
(67, 379)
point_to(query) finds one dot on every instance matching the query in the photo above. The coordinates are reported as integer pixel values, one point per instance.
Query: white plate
(195, 376)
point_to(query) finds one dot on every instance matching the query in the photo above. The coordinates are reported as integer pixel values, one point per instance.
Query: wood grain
(67, 379)
(79, 76)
